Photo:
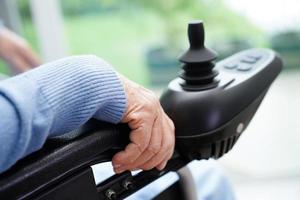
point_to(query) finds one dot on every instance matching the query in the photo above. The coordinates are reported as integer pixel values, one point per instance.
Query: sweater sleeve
(54, 99)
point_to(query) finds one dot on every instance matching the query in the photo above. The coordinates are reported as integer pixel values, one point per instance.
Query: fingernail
(160, 168)
(117, 165)
(119, 170)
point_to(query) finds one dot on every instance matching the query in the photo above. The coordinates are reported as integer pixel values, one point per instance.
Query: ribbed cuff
(78, 88)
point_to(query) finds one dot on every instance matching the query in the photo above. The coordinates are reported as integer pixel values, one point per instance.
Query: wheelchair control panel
(211, 104)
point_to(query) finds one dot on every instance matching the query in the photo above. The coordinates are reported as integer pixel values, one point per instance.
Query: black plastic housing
(208, 122)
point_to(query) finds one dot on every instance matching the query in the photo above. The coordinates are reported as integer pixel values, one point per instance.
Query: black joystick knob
(198, 73)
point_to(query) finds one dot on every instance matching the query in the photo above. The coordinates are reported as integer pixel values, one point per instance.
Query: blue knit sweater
(54, 99)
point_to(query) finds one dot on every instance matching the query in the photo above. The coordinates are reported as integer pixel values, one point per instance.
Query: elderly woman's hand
(152, 136)
(16, 52)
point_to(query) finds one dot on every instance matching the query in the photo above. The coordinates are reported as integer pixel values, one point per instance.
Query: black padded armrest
(61, 158)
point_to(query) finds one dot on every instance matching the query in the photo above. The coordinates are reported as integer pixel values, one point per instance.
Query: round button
(240, 128)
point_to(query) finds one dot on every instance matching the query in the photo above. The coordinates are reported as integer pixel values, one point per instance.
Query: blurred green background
(142, 39)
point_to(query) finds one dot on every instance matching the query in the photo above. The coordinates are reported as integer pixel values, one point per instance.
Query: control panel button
(249, 60)
(253, 55)
(231, 65)
(244, 67)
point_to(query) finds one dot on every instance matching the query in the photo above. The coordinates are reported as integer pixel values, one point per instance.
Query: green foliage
(110, 37)
(3, 68)
(216, 15)
(24, 8)
(174, 14)
(166, 7)
(79, 7)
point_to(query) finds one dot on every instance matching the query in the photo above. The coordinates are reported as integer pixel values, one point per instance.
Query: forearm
(54, 99)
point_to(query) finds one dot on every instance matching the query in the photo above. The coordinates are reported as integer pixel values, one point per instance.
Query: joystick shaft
(198, 73)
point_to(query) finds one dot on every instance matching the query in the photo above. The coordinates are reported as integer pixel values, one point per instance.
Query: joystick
(198, 73)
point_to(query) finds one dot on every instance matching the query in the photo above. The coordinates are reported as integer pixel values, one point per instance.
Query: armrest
(60, 158)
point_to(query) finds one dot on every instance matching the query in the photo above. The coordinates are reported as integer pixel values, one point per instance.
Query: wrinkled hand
(152, 136)
(16, 52)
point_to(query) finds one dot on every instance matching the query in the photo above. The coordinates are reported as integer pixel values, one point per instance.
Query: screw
(110, 194)
(127, 184)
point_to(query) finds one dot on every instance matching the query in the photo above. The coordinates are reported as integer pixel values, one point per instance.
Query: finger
(165, 160)
(140, 139)
(153, 147)
(166, 150)
(119, 161)
(162, 165)
(154, 161)
(18, 64)
(32, 59)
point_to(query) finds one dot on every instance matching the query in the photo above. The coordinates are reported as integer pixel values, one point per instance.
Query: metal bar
(48, 21)
(125, 184)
